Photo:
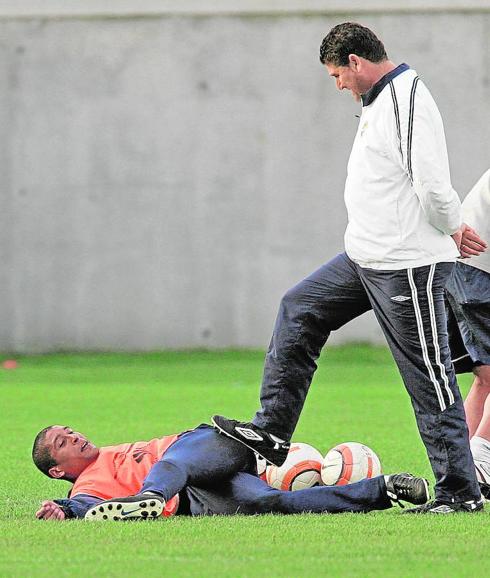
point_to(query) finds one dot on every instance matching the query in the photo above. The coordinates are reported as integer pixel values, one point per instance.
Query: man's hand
(471, 243)
(50, 511)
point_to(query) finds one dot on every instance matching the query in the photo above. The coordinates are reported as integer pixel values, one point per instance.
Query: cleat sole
(117, 511)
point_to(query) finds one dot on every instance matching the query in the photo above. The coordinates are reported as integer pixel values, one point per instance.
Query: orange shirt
(119, 470)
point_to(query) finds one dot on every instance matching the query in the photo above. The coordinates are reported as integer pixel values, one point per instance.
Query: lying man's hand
(50, 511)
(471, 243)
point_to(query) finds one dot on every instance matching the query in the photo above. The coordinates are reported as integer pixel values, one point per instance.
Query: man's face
(350, 77)
(71, 451)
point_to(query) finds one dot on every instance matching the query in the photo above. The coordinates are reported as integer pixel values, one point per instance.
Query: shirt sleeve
(77, 506)
(428, 166)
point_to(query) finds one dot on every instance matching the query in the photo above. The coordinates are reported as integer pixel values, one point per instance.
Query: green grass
(356, 396)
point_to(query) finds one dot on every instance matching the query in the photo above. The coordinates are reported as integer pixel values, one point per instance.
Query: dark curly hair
(351, 38)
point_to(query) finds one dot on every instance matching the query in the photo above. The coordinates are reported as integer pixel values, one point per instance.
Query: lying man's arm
(68, 508)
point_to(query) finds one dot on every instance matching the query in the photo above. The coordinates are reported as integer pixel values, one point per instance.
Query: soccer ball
(171, 507)
(300, 470)
(349, 462)
(261, 467)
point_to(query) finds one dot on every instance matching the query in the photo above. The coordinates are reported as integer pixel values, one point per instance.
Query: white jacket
(476, 214)
(401, 206)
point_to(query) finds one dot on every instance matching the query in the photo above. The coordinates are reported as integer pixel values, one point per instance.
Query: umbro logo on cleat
(400, 298)
(249, 434)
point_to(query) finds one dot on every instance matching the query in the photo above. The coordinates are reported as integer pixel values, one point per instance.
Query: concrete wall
(166, 178)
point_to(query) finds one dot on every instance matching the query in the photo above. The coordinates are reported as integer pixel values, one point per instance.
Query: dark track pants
(409, 306)
(216, 475)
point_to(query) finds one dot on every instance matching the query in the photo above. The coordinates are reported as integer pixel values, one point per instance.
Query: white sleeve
(476, 205)
(427, 163)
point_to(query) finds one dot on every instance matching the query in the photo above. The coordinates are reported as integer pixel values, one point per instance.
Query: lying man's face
(71, 451)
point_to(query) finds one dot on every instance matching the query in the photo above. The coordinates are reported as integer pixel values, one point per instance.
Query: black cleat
(407, 488)
(273, 449)
(140, 507)
(438, 507)
(483, 476)
(485, 491)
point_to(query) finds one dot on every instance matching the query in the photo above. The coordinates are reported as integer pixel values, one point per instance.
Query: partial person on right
(468, 295)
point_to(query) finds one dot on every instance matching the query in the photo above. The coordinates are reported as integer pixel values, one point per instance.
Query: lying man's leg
(200, 457)
(247, 494)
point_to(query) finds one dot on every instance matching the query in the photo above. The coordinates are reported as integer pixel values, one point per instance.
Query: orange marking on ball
(297, 469)
(347, 466)
(370, 467)
(171, 506)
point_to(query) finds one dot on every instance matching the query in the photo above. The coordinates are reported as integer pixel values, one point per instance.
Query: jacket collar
(373, 92)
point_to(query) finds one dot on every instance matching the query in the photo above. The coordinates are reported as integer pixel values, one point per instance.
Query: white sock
(480, 448)
(151, 493)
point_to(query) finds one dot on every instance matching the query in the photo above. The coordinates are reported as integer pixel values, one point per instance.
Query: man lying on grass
(198, 472)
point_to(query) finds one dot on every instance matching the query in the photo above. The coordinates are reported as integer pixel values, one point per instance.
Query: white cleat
(139, 507)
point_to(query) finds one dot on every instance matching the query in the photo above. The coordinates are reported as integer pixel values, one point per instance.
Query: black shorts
(468, 297)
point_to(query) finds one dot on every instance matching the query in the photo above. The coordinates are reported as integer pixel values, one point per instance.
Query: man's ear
(55, 472)
(354, 62)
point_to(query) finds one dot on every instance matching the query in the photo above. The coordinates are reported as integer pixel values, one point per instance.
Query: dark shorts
(468, 297)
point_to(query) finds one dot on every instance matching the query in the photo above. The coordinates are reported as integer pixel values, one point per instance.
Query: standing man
(402, 239)
(468, 294)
